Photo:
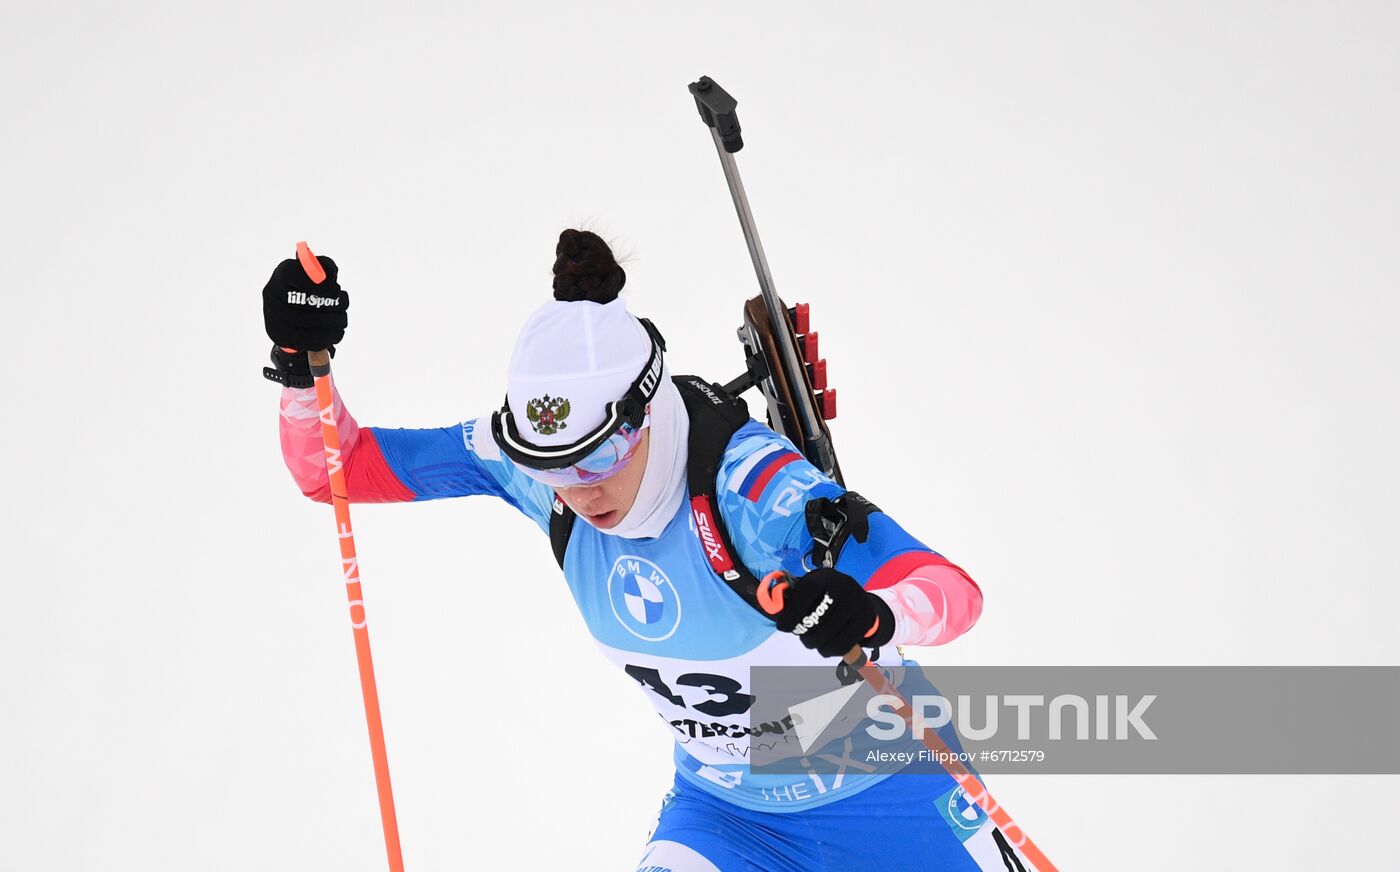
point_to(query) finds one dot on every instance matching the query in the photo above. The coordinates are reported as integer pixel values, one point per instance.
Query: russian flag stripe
(758, 478)
(741, 472)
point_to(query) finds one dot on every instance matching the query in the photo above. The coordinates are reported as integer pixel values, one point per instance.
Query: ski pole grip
(310, 264)
(320, 360)
(717, 111)
(771, 589)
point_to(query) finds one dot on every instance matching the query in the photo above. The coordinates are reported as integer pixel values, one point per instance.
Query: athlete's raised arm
(381, 465)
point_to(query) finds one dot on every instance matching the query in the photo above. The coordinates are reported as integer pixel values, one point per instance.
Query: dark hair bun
(584, 269)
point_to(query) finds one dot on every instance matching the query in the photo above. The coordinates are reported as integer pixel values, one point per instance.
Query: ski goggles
(601, 452)
(604, 462)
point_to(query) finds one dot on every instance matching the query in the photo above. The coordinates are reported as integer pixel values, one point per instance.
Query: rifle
(781, 355)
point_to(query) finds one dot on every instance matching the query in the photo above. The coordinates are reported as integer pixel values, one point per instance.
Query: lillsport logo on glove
(302, 298)
(811, 620)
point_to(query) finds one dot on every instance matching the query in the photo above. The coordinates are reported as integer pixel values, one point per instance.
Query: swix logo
(715, 551)
(811, 620)
(302, 298)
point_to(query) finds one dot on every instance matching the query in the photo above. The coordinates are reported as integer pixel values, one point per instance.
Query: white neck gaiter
(663, 484)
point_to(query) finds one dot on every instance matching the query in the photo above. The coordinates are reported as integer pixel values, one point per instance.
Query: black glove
(831, 612)
(303, 315)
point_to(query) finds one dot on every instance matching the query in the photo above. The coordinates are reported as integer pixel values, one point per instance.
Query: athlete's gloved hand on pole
(304, 309)
(300, 316)
(831, 612)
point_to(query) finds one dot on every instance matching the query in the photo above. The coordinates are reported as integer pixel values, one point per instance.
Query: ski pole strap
(848, 674)
(287, 379)
(291, 368)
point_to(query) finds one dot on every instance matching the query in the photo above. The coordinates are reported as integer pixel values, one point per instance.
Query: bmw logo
(643, 599)
(962, 811)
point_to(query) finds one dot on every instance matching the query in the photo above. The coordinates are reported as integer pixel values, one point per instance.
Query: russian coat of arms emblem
(547, 414)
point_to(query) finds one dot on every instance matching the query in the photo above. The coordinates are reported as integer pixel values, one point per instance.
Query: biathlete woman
(594, 427)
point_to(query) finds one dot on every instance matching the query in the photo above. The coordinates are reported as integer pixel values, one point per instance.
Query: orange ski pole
(330, 436)
(770, 597)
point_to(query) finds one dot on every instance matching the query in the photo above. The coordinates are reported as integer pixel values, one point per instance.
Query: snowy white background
(1118, 280)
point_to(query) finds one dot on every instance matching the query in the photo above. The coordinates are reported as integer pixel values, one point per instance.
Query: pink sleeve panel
(933, 601)
(367, 475)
